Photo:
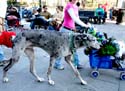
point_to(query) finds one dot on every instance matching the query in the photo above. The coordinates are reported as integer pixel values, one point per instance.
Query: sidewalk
(26, 24)
(112, 21)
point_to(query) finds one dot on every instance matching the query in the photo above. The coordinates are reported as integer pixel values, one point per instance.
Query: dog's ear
(105, 34)
(84, 37)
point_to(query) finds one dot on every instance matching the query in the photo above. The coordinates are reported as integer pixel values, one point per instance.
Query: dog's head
(121, 49)
(86, 40)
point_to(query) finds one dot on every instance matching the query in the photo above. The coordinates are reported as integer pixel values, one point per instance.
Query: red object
(13, 23)
(5, 38)
(105, 6)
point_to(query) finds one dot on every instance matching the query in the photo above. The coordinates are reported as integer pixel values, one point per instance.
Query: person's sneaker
(59, 67)
(80, 66)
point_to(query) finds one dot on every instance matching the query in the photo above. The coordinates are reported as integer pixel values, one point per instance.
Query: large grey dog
(55, 43)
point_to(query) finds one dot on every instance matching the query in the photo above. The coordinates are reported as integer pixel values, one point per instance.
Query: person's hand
(88, 25)
(56, 19)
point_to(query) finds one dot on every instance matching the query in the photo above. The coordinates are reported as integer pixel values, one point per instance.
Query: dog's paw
(51, 82)
(40, 80)
(5, 80)
(83, 82)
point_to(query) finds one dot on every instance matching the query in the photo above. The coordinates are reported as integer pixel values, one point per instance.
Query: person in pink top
(105, 7)
(70, 18)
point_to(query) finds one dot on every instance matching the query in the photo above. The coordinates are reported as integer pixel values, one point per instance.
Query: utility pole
(40, 3)
(116, 2)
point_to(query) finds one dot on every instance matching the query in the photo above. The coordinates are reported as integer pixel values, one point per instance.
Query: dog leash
(73, 50)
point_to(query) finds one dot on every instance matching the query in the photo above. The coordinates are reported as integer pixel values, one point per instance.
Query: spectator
(78, 4)
(99, 14)
(111, 13)
(37, 19)
(13, 17)
(57, 19)
(26, 13)
(14, 11)
(39, 10)
(45, 13)
(3, 9)
(83, 2)
(105, 7)
(58, 16)
(119, 16)
(34, 15)
(70, 18)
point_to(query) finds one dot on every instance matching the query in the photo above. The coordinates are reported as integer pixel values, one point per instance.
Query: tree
(40, 3)
(13, 2)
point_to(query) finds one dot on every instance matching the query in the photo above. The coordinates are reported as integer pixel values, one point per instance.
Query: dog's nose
(99, 46)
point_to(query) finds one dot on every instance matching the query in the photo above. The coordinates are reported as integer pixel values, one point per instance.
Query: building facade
(53, 3)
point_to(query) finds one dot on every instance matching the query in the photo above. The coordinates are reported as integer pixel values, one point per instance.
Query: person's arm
(49, 15)
(96, 12)
(76, 19)
(18, 16)
(103, 11)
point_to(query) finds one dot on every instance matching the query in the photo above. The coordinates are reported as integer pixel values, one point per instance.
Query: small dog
(121, 51)
(55, 43)
(120, 55)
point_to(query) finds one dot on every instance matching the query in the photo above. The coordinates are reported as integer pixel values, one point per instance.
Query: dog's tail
(4, 62)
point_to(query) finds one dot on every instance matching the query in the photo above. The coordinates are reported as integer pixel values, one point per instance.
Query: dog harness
(5, 38)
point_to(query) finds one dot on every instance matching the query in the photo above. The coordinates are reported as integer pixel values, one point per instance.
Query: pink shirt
(68, 21)
(105, 7)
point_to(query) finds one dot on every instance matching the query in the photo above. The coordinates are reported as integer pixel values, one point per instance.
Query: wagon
(103, 62)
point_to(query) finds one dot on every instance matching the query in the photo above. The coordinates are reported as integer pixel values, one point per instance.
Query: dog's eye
(78, 38)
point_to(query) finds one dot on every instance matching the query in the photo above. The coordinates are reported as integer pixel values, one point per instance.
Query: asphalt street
(22, 80)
